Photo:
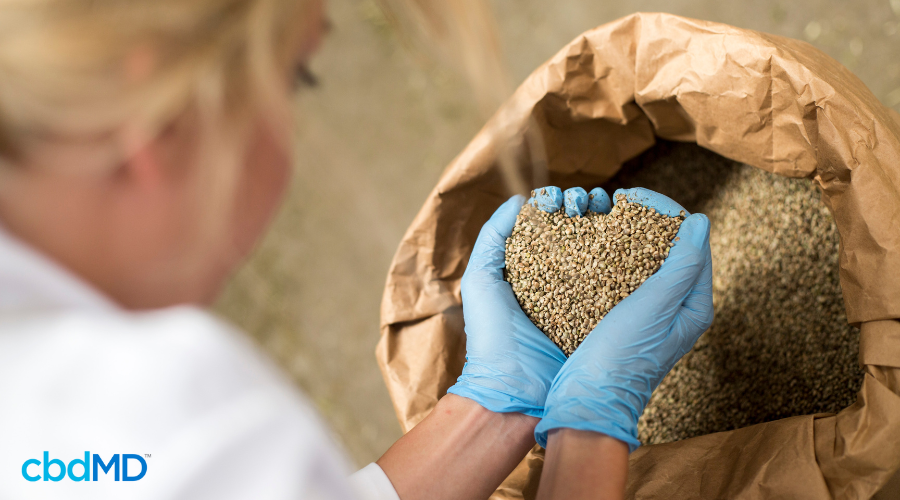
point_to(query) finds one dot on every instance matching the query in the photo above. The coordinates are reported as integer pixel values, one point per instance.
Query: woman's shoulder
(180, 355)
(159, 336)
(176, 383)
(184, 343)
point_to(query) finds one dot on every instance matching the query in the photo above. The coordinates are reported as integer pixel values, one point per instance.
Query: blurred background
(374, 137)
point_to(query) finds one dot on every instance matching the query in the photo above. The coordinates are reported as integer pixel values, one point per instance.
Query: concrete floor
(373, 140)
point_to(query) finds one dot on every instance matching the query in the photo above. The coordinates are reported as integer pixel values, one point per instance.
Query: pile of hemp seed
(567, 273)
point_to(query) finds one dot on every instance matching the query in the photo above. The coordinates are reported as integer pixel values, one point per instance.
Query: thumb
(698, 305)
(490, 248)
(651, 199)
(679, 273)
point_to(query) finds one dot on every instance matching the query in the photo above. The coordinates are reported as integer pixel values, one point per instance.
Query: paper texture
(774, 103)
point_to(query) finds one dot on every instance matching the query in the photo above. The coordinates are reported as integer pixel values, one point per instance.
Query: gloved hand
(510, 363)
(606, 383)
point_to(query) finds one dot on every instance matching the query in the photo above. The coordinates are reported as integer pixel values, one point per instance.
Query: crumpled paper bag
(774, 103)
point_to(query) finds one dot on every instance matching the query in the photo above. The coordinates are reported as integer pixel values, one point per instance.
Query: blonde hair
(81, 69)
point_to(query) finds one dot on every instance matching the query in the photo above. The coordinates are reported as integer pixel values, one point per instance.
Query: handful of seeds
(568, 272)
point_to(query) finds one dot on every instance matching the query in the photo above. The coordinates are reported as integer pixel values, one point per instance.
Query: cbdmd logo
(79, 470)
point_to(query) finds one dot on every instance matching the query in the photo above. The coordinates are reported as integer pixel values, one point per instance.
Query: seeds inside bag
(568, 272)
(780, 344)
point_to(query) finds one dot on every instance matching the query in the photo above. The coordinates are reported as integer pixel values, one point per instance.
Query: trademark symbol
(146, 455)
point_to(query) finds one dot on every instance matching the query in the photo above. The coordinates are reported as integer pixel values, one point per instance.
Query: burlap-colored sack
(774, 103)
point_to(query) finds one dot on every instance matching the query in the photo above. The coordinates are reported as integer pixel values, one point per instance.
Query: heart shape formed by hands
(567, 272)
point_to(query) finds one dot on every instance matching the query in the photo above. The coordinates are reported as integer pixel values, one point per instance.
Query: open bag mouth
(769, 102)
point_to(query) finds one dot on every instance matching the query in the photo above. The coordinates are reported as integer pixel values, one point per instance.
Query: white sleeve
(371, 483)
(204, 413)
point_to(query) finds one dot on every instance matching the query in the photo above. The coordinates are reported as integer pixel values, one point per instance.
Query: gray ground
(373, 140)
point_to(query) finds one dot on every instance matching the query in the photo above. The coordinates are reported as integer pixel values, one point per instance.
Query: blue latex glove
(651, 199)
(606, 383)
(575, 200)
(510, 363)
(548, 199)
(599, 201)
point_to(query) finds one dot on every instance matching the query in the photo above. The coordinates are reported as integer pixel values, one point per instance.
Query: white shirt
(191, 401)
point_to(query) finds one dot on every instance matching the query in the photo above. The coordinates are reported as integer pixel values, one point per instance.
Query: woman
(144, 145)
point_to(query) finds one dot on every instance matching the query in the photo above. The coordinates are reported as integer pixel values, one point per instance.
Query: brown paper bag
(774, 103)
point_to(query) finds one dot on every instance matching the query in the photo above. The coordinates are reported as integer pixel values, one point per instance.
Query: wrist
(460, 450)
(473, 415)
(576, 440)
(581, 465)
(608, 416)
(492, 394)
(589, 397)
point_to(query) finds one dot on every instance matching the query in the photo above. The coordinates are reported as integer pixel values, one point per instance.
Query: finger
(548, 199)
(698, 306)
(693, 230)
(489, 251)
(598, 201)
(576, 201)
(651, 199)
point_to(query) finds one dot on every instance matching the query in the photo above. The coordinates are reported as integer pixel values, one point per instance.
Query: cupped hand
(606, 383)
(510, 363)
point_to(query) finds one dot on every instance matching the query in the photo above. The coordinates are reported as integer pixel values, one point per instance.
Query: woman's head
(145, 143)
